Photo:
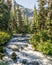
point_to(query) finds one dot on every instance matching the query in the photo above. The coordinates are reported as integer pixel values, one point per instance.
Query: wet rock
(13, 56)
(6, 59)
(13, 47)
(33, 63)
(24, 61)
(8, 51)
(22, 48)
(18, 57)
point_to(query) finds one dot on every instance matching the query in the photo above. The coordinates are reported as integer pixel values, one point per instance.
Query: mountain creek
(18, 51)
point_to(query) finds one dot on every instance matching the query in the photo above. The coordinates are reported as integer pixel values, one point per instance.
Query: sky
(28, 3)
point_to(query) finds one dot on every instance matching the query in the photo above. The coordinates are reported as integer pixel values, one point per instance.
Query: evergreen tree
(41, 14)
(19, 19)
(13, 18)
(26, 20)
(34, 21)
(5, 15)
(49, 17)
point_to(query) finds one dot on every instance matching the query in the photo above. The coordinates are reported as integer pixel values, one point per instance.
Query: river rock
(22, 48)
(6, 58)
(13, 56)
(24, 61)
(33, 63)
(13, 47)
(8, 51)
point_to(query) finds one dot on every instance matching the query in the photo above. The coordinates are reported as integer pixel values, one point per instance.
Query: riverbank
(25, 55)
(4, 38)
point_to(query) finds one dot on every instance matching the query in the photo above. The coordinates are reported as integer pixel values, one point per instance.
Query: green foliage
(42, 28)
(4, 17)
(24, 29)
(41, 14)
(4, 37)
(44, 36)
(42, 42)
(33, 28)
(34, 21)
(1, 49)
(2, 63)
(45, 48)
(35, 40)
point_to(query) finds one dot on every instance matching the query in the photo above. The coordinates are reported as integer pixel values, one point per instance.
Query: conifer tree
(19, 19)
(5, 15)
(49, 17)
(34, 21)
(41, 14)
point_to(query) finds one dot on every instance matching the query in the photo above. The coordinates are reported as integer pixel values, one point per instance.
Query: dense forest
(13, 22)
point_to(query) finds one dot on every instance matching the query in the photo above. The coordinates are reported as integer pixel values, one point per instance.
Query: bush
(24, 29)
(44, 36)
(45, 48)
(4, 37)
(42, 42)
(35, 40)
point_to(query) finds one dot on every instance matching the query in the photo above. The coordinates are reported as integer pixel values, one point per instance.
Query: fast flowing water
(25, 55)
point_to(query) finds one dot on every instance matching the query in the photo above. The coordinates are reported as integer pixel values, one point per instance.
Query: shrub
(35, 40)
(4, 37)
(42, 42)
(45, 48)
(44, 36)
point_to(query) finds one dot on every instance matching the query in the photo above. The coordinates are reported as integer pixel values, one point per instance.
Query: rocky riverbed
(19, 52)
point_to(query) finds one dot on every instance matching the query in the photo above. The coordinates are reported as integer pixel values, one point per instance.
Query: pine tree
(34, 21)
(19, 19)
(26, 20)
(49, 17)
(41, 14)
(5, 15)
(49, 10)
(12, 25)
